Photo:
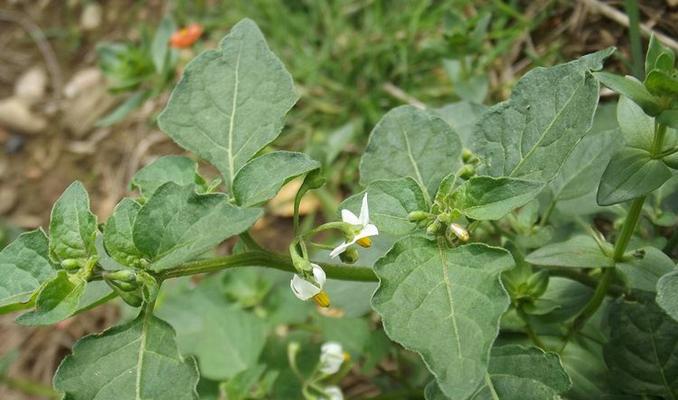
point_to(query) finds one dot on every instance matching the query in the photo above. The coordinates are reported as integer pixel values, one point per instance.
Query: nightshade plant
(495, 273)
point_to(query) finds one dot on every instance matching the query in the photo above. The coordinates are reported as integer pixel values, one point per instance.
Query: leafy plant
(487, 263)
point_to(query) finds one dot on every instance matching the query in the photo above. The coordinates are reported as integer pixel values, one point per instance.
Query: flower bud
(466, 155)
(459, 231)
(467, 171)
(434, 228)
(71, 264)
(416, 216)
(349, 256)
(537, 283)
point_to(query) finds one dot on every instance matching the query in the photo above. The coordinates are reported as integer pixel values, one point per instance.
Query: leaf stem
(529, 330)
(264, 259)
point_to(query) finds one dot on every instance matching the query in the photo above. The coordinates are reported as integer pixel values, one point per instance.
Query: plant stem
(29, 387)
(637, 58)
(264, 259)
(529, 330)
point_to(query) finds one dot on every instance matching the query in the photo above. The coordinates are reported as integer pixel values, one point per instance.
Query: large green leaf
(176, 224)
(118, 233)
(667, 294)
(488, 198)
(518, 373)
(24, 267)
(390, 202)
(178, 169)
(225, 339)
(642, 272)
(72, 227)
(261, 178)
(138, 360)
(409, 142)
(550, 110)
(631, 173)
(580, 251)
(462, 116)
(453, 295)
(58, 300)
(230, 102)
(642, 353)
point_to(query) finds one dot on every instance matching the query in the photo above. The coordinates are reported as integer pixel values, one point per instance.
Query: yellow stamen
(322, 299)
(347, 357)
(365, 242)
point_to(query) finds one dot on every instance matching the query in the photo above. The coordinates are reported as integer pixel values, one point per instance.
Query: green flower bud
(434, 228)
(131, 298)
(537, 283)
(466, 155)
(124, 275)
(72, 264)
(467, 171)
(349, 256)
(416, 216)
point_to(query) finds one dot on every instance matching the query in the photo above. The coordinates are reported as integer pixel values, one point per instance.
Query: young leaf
(72, 227)
(636, 126)
(409, 142)
(488, 198)
(667, 294)
(58, 300)
(462, 116)
(551, 109)
(160, 45)
(178, 169)
(176, 224)
(630, 87)
(454, 295)
(118, 233)
(643, 272)
(580, 251)
(24, 267)
(518, 373)
(641, 353)
(260, 179)
(138, 360)
(655, 50)
(225, 339)
(230, 102)
(661, 83)
(390, 202)
(631, 173)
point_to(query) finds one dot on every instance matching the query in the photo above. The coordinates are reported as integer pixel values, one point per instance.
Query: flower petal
(333, 393)
(364, 212)
(350, 218)
(368, 230)
(302, 288)
(331, 358)
(341, 248)
(319, 275)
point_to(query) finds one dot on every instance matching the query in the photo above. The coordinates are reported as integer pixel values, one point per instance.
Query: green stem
(268, 260)
(637, 58)
(250, 242)
(529, 330)
(29, 387)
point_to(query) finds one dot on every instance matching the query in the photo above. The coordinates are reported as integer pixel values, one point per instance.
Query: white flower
(331, 358)
(362, 222)
(333, 393)
(305, 289)
(459, 231)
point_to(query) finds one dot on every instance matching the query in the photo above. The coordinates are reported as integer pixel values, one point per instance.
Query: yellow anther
(347, 357)
(322, 299)
(364, 242)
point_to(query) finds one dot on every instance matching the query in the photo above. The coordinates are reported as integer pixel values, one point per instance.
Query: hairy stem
(264, 259)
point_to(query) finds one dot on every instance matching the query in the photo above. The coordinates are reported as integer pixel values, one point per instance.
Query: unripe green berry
(467, 171)
(434, 228)
(349, 256)
(416, 216)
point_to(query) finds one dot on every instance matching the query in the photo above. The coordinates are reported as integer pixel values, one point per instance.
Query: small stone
(31, 86)
(16, 114)
(90, 18)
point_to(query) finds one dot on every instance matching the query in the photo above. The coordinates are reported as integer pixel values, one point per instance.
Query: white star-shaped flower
(365, 229)
(306, 289)
(331, 357)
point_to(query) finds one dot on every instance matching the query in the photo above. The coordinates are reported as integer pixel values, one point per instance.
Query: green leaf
(24, 267)
(462, 116)
(260, 179)
(120, 112)
(642, 273)
(632, 88)
(58, 300)
(160, 45)
(636, 126)
(178, 169)
(230, 102)
(669, 118)
(409, 142)
(225, 339)
(176, 224)
(521, 373)
(72, 227)
(667, 294)
(580, 251)
(581, 172)
(655, 51)
(137, 360)
(661, 83)
(118, 233)
(452, 294)
(390, 202)
(488, 198)
(631, 173)
(642, 353)
(550, 110)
